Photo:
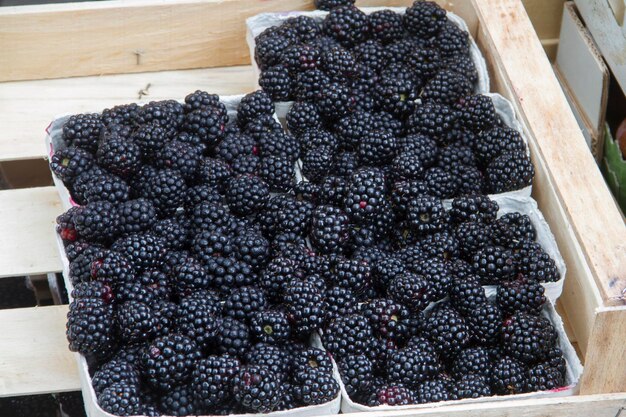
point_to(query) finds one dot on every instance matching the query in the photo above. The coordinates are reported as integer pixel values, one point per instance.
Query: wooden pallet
(131, 37)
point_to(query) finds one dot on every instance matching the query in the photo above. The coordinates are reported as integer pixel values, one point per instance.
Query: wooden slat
(34, 357)
(556, 141)
(27, 245)
(27, 107)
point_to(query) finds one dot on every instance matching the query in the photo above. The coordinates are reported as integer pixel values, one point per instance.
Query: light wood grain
(27, 107)
(34, 357)
(566, 171)
(27, 244)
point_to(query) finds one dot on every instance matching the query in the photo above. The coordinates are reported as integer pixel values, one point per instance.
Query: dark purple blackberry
(135, 321)
(485, 324)
(514, 230)
(476, 208)
(115, 372)
(74, 249)
(270, 327)
(508, 376)
(452, 41)
(447, 329)
(300, 58)
(97, 221)
(104, 187)
(528, 338)
(208, 123)
(119, 155)
(446, 87)
(494, 264)
(386, 269)
(347, 335)
(136, 216)
(252, 248)
(350, 128)
(181, 157)
(212, 380)
(338, 63)
(535, 263)
(167, 191)
(242, 303)
(467, 294)
(354, 274)
(426, 215)
(345, 164)
(555, 359)
(212, 216)
(303, 116)
(197, 317)
(311, 362)
(168, 361)
(269, 46)
(522, 294)
(145, 251)
(376, 148)
(454, 157)
(389, 319)
(123, 114)
(403, 195)
(365, 195)
(312, 138)
(66, 228)
(347, 24)
(235, 145)
(214, 172)
(421, 147)
(391, 394)
(276, 277)
(406, 166)
(69, 163)
(306, 28)
(372, 54)
(411, 290)
(278, 173)
(309, 84)
(275, 358)
(412, 365)
(180, 401)
(253, 105)
(189, 275)
(433, 391)
(472, 180)
(199, 99)
(332, 4)
(157, 280)
(543, 377)
(150, 138)
(473, 360)
(233, 337)
(433, 120)
(441, 183)
(357, 374)
(471, 386)
(477, 113)
(167, 113)
(335, 100)
(113, 268)
(257, 389)
(226, 273)
(494, 142)
(246, 194)
(332, 191)
(246, 165)
(389, 122)
(425, 62)
(510, 171)
(83, 131)
(386, 26)
(472, 237)
(424, 18)
(120, 400)
(463, 64)
(276, 82)
(318, 389)
(329, 229)
(305, 306)
(340, 301)
(285, 214)
(173, 231)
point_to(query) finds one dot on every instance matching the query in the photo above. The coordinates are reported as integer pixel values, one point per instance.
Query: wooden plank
(566, 171)
(27, 217)
(34, 357)
(545, 16)
(606, 362)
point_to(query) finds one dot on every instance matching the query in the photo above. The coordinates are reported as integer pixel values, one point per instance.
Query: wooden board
(27, 245)
(27, 107)
(545, 16)
(34, 358)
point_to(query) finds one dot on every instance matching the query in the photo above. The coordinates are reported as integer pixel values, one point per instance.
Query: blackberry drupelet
(69, 163)
(494, 142)
(276, 82)
(246, 194)
(446, 87)
(257, 388)
(411, 290)
(510, 171)
(83, 131)
(270, 326)
(528, 338)
(447, 330)
(508, 376)
(212, 380)
(347, 335)
(233, 337)
(543, 377)
(168, 361)
(424, 19)
(386, 26)
(471, 386)
(391, 394)
(473, 360)
(494, 264)
(522, 294)
(97, 222)
(120, 400)
(412, 365)
(305, 307)
(357, 373)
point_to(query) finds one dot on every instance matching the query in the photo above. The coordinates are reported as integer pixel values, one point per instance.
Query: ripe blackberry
(350, 128)
(252, 248)
(189, 275)
(437, 274)
(168, 361)
(105, 187)
(210, 244)
(386, 269)
(208, 123)
(276, 82)
(157, 280)
(528, 338)
(278, 173)
(510, 171)
(494, 142)
(270, 327)
(246, 165)
(447, 329)
(233, 337)
(338, 63)
(452, 41)
(66, 229)
(347, 335)
(74, 249)
(332, 4)
(69, 163)
(166, 113)
(145, 251)
(309, 84)
(115, 372)
(366, 195)
(335, 100)
(347, 24)
(303, 116)
(83, 131)
(434, 120)
(472, 360)
(475, 208)
(435, 390)
(90, 326)
(276, 277)
(212, 380)
(135, 321)
(508, 376)
(555, 359)
(494, 264)
(340, 301)
(454, 157)
(514, 230)
(305, 306)
(406, 166)
(472, 237)
(199, 99)
(235, 145)
(279, 144)
(424, 19)
(120, 400)
(119, 155)
(173, 231)
(372, 54)
(214, 172)
(356, 373)
(312, 138)
(522, 294)
(214, 217)
(391, 394)
(246, 194)
(535, 263)
(376, 148)
(425, 61)
(257, 388)
(543, 377)
(253, 105)
(426, 215)
(269, 46)
(180, 401)
(311, 362)
(300, 57)
(470, 386)
(285, 214)
(197, 317)
(354, 274)
(467, 294)
(97, 221)
(411, 290)
(389, 318)
(242, 303)
(412, 365)
(329, 229)
(181, 157)
(441, 183)
(423, 147)
(227, 273)
(113, 268)
(386, 26)
(136, 216)
(150, 138)
(446, 87)
(167, 191)
(477, 113)
(306, 28)
(318, 389)
(274, 358)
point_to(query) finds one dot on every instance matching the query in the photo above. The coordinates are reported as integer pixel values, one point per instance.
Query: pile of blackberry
(390, 91)
(194, 292)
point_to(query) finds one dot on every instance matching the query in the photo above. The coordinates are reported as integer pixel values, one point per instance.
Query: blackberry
(427, 215)
(311, 362)
(90, 326)
(285, 214)
(332, 4)
(181, 157)
(350, 128)
(471, 386)
(120, 400)
(269, 47)
(463, 64)
(452, 41)
(389, 319)
(106, 187)
(473, 360)
(150, 138)
(309, 84)
(253, 105)
(335, 100)
(207, 123)
(376, 148)
(246, 165)
(199, 99)
(210, 216)
(180, 401)
(472, 237)
(208, 245)
(83, 131)
(466, 295)
(494, 142)
(118, 155)
(136, 216)
(441, 183)
(144, 251)
(270, 327)
(167, 191)
(357, 373)
(75, 249)
(226, 273)
(434, 120)
(300, 57)
(235, 145)
(455, 157)
(246, 194)
(278, 173)
(168, 361)
(173, 231)
(514, 230)
(386, 26)
(275, 358)
(212, 380)
(303, 116)
(279, 144)
(306, 28)
(66, 228)
(419, 146)
(543, 377)
(312, 138)
(123, 114)
(522, 294)
(347, 24)
(197, 317)
(252, 248)
(345, 164)
(347, 335)
(528, 338)
(406, 166)
(166, 113)
(535, 263)
(472, 181)
(338, 63)
(233, 337)
(386, 269)
(556, 360)
(508, 376)
(135, 321)
(411, 290)
(510, 171)
(276, 82)
(165, 314)
(475, 208)
(276, 277)
(424, 19)
(425, 62)
(372, 54)
(214, 172)
(69, 163)
(158, 280)
(305, 306)
(97, 221)
(437, 274)
(477, 113)
(340, 301)
(403, 195)
(318, 389)
(113, 269)
(242, 303)
(447, 329)
(446, 87)
(329, 229)
(354, 274)
(412, 365)
(114, 372)
(257, 388)
(433, 391)
(494, 264)
(365, 195)
(392, 394)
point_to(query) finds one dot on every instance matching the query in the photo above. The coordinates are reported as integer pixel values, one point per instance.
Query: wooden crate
(132, 37)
